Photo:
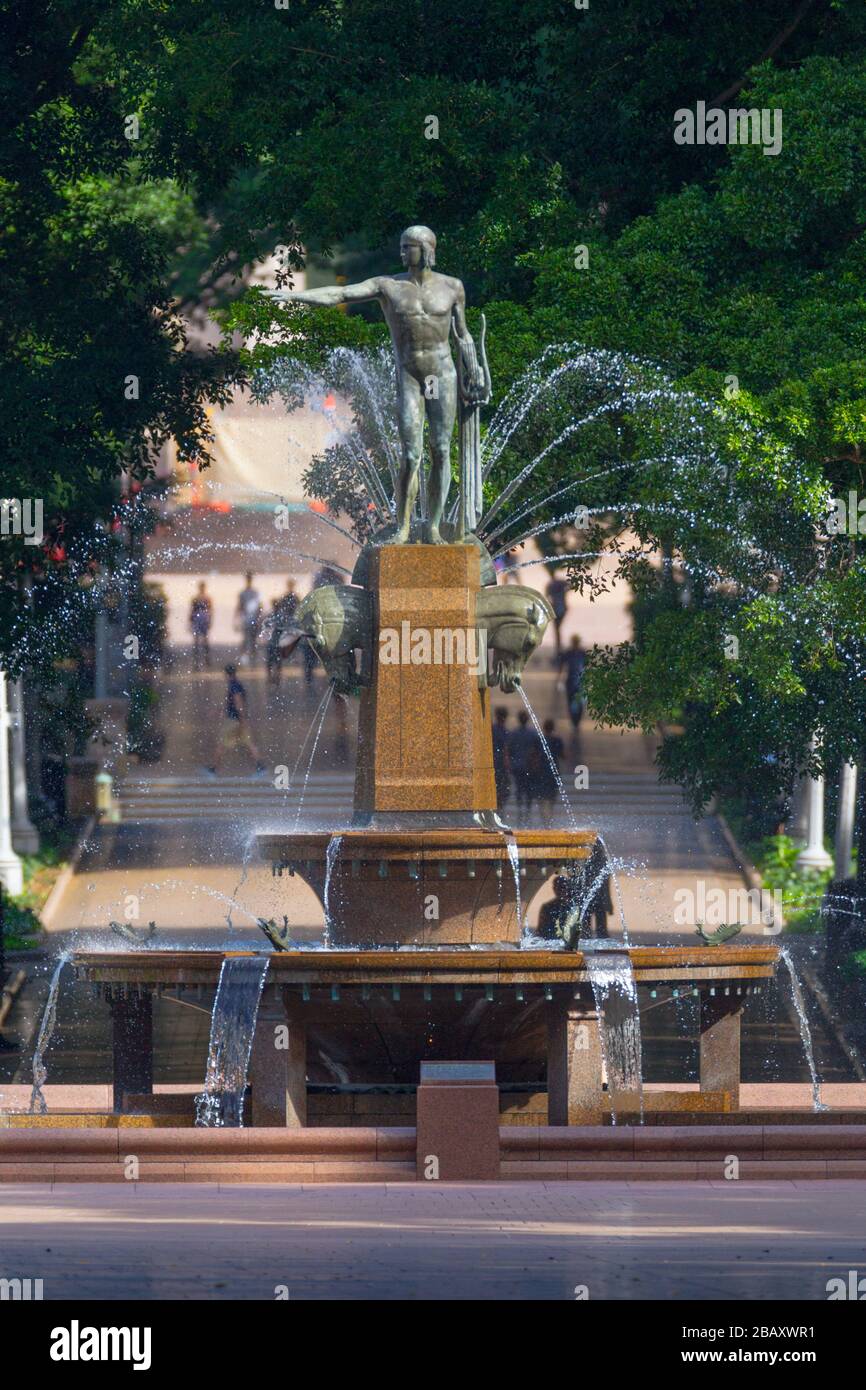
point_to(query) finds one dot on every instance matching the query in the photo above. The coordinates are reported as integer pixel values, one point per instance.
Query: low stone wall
(48, 1156)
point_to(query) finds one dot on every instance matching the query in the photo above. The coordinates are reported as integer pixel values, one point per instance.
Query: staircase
(199, 797)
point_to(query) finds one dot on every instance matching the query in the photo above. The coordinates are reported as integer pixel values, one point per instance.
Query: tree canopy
(728, 281)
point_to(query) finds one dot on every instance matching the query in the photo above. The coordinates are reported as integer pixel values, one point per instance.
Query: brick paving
(704, 1240)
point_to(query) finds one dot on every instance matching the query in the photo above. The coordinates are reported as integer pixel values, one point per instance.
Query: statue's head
(423, 238)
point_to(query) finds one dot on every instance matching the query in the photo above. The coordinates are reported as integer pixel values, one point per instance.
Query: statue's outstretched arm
(330, 295)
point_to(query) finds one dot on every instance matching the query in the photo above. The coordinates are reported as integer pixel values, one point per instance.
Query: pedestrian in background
(556, 593)
(523, 749)
(546, 788)
(235, 732)
(200, 619)
(281, 621)
(249, 617)
(273, 652)
(572, 664)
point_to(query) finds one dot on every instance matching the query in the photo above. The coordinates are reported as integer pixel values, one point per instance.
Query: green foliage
(297, 127)
(272, 333)
(854, 968)
(95, 377)
(21, 914)
(148, 618)
(801, 890)
(143, 737)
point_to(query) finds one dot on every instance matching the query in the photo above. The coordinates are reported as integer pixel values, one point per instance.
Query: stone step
(48, 1154)
(673, 1170)
(754, 1143)
(231, 1171)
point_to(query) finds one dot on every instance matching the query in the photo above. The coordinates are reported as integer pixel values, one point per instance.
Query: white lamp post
(845, 820)
(814, 855)
(11, 872)
(25, 836)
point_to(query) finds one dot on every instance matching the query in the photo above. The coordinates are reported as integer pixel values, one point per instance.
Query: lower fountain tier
(120, 973)
(426, 887)
(366, 1007)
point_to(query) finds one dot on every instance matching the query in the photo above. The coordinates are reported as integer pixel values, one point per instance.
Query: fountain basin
(427, 887)
(378, 1012)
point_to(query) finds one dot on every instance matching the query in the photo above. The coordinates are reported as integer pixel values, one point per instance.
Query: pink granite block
(697, 1141)
(519, 1141)
(57, 1143)
(534, 1168)
(39, 1176)
(381, 1171)
(578, 1141)
(635, 1171)
(322, 1140)
(395, 1143)
(775, 1170)
(89, 1172)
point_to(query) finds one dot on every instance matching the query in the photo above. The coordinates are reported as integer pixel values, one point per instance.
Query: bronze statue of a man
(421, 308)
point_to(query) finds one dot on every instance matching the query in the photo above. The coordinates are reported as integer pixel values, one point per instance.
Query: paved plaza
(621, 1241)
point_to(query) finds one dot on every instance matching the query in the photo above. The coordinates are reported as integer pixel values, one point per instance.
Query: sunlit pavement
(737, 1241)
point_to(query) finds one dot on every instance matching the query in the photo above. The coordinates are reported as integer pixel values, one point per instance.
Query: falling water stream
(323, 710)
(550, 758)
(608, 866)
(514, 859)
(805, 1030)
(233, 1024)
(615, 993)
(331, 856)
(38, 1104)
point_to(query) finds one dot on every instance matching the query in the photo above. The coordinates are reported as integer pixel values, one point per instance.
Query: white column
(798, 824)
(25, 836)
(845, 817)
(11, 873)
(100, 654)
(814, 855)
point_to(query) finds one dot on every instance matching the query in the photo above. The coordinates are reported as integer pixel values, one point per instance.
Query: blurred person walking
(200, 620)
(523, 749)
(545, 785)
(235, 732)
(273, 651)
(557, 590)
(281, 619)
(573, 663)
(249, 619)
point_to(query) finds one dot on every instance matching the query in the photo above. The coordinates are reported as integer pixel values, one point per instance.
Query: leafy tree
(296, 127)
(95, 376)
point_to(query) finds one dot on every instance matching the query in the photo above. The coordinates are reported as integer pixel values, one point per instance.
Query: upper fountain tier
(423, 643)
(412, 635)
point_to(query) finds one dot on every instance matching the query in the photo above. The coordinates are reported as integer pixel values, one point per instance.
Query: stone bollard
(457, 1135)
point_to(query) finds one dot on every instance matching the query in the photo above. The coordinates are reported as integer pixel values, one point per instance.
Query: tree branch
(781, 38)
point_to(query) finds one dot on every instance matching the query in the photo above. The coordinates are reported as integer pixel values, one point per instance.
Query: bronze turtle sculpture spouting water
(726, 932)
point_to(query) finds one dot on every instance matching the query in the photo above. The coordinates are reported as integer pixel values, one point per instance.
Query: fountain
(421, 892)
(423, 633)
